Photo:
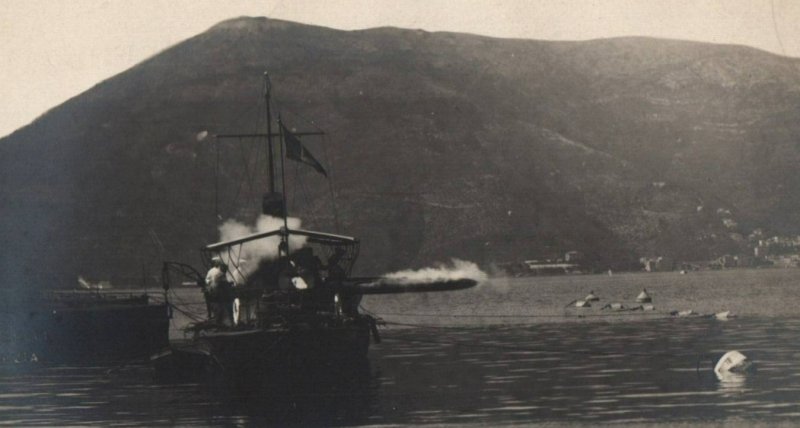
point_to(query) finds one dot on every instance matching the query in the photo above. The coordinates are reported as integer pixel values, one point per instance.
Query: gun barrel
(396, 286)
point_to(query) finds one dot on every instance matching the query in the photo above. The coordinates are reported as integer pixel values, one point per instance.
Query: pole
(271, 161)
(285, 234)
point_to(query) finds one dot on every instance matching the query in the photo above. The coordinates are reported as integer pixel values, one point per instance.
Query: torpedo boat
(297, 311)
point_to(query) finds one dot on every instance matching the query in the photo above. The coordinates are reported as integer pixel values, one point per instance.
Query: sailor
(219, 293)
(307, 267)
(297, 278)
(214, 275)
(336, 272)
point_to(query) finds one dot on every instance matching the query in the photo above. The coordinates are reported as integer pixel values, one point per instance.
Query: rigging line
(256, 158)
(325, 143)
(305, 194)
(246, 164)
(292, 204)
(238, 263)
(262, 113)
(191, 316)
(235, 200)
(235, 263)
(175, 297)
(299, 182)
(249, 176)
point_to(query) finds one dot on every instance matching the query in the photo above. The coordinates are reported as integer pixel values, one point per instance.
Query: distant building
(729, 223)
(549, 268)
(789, 261)
(573, 256)
(727, 261)
(658, 264)
(756, 235)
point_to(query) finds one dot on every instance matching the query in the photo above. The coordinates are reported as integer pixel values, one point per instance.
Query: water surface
(504, 353)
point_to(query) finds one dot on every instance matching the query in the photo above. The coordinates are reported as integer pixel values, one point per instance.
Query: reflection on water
(127, 396)
(656, 370)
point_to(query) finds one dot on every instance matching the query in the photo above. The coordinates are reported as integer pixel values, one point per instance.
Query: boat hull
(267, 357)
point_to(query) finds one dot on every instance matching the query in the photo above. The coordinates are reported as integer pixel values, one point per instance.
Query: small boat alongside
(81, 326)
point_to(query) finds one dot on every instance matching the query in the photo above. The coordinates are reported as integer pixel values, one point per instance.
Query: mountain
(439, 145)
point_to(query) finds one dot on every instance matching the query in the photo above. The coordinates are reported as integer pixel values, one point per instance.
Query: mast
(273, 203)
(271, 161)
(285, 234)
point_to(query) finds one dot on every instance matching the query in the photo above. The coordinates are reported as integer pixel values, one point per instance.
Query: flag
(296, 151)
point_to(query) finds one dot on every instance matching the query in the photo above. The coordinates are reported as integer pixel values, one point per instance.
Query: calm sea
(508, 352)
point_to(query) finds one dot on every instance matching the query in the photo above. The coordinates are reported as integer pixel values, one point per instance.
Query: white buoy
(724, 316)
(591, 297)
(643, 297)
(731, 362)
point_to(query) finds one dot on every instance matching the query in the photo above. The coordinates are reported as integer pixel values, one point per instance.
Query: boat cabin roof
(313, 237)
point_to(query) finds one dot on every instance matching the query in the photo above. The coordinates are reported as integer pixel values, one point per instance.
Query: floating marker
(732, 362)
(643, 297)
(724, 316)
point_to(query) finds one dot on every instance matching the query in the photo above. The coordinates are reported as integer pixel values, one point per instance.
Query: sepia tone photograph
(399, 213)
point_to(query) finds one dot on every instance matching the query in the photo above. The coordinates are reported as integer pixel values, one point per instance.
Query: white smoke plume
(242, 262)
(457, 269)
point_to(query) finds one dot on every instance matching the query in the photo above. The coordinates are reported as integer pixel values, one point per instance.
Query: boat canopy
(313, 237)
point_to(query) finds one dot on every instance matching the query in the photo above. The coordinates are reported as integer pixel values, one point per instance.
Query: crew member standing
(219, 294)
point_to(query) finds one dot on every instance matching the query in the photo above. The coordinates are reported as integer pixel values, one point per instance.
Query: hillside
(439, 145)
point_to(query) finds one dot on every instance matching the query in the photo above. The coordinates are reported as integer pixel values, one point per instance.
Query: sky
(53, 50)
